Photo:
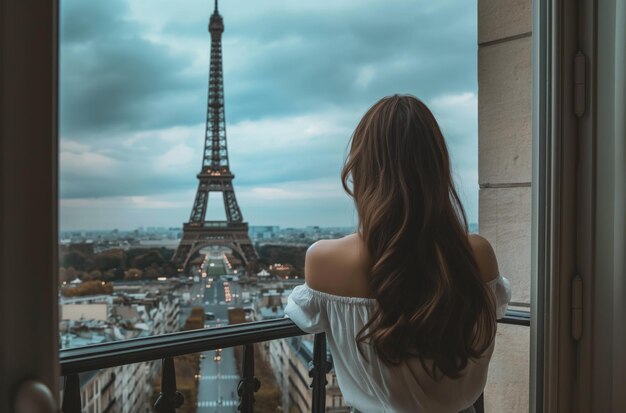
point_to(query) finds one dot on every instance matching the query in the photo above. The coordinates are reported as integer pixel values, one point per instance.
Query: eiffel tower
(215, 175)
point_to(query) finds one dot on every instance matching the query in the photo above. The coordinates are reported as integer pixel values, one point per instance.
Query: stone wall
(504, 173)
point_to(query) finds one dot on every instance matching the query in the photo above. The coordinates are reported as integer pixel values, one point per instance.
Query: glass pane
(135, 125)
(139, 140)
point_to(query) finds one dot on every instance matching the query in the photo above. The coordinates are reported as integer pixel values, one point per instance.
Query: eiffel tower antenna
(215, 174)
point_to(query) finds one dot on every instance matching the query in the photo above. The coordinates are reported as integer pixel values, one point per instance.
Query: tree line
(80, 261)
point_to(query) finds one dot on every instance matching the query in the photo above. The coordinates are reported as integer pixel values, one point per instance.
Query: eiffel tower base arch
(198, 236)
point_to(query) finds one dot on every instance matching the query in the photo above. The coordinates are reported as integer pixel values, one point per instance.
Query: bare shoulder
(485, 257)
(316, 264)
(335, 266)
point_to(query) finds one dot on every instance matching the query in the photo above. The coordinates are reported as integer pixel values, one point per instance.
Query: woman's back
(336, 299)
(343, 266)
(409, 316)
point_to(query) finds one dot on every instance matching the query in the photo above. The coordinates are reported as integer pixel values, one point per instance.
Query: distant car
(222, 302)
(209, 316)
(202, 356)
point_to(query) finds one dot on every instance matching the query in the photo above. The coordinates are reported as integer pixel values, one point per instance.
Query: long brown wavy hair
(432, 302)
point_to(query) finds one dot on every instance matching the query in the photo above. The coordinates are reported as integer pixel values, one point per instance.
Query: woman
(409, 302)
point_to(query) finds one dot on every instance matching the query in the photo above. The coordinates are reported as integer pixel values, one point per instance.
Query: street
(217, 386)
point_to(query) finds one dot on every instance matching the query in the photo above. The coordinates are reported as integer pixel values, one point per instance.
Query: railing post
(318, 371)
(71, 394)
(169, 399)
(248, 383)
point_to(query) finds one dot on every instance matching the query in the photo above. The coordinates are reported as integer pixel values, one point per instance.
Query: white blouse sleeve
(501, 288)
(307, 310)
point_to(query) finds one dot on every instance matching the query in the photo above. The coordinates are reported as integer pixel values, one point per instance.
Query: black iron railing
(166, 346)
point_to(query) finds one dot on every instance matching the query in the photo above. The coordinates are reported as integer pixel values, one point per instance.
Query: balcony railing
(166, 346)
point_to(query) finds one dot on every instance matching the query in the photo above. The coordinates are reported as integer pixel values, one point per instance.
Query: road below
(217, 386)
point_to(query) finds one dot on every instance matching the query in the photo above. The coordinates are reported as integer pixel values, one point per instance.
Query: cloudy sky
(298, 77)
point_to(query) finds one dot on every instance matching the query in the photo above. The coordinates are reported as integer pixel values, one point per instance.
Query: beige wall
(84, 311)
(504, 173)
(504, 135)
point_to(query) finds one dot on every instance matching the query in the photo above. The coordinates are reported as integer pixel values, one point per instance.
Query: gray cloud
(310, 59)
(294, 61)
(111, 79)
(133, 75)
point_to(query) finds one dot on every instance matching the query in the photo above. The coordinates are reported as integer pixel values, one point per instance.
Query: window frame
(28, 202)
(555, 130)
(33, 174)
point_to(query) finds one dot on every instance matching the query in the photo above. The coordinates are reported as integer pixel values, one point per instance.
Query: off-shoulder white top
(374, 387)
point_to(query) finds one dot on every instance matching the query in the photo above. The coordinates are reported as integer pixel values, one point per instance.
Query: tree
(84, 247)
(131, 254)
(169, 269)
(133, 274)
(89, 288)
(166, 253)
(77, 259)
(105, 262)
(153, 271)
(284, 254)
(146, 260)
(72, 274)
(94, 275)
(108, 276)
(116, 274)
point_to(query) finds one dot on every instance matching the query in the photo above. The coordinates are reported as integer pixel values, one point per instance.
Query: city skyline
(133, 92)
